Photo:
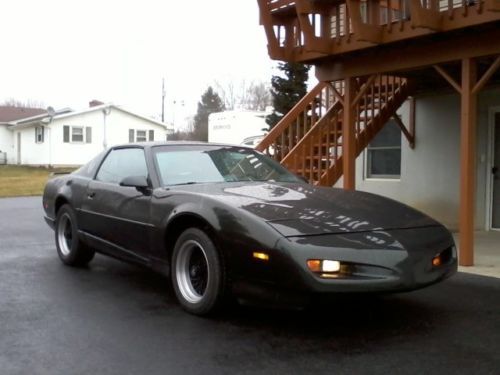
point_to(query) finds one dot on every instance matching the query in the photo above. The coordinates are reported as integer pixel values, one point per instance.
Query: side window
(122, 163)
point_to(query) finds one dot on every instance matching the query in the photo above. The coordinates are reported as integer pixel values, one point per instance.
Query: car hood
(296, 209)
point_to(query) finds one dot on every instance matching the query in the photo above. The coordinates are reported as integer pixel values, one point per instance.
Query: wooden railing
(295, 124)
(308, 140)
(307, 29)
(378, 102)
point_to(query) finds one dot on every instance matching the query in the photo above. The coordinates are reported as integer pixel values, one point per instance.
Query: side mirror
(141, 183)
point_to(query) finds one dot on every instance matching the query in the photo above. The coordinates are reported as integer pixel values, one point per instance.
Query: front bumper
(381, 261)
(373, 262)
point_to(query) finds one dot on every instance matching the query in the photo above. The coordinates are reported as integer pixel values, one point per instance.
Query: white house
(69, 138)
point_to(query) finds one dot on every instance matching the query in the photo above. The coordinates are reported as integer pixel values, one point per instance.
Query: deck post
(468, 120)
(348, 136)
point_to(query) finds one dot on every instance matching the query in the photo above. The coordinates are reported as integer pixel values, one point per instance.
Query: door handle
(91, 195)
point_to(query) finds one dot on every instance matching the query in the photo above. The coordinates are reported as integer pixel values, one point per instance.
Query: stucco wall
(55, 152)
(430, 172)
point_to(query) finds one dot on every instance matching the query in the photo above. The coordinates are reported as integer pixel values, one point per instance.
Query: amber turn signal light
(314, 265)
(260, 256)
(436, 261)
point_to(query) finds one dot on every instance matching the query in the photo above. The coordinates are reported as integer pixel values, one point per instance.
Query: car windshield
(191, 164)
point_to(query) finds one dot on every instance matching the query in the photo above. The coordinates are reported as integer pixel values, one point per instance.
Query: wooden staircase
(308, 139)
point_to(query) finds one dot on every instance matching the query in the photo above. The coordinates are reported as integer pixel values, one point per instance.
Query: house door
(495, 170)
(19, 148)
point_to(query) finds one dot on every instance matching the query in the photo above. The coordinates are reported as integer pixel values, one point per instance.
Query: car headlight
(324, 267)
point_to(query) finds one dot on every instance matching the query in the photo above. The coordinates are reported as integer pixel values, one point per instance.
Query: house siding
(430, 173)
(6, 144)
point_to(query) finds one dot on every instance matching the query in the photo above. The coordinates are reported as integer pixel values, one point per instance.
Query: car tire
(71, 250)
(197, 273)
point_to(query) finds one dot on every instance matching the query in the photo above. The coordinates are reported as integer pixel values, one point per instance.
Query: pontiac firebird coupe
(226, 220)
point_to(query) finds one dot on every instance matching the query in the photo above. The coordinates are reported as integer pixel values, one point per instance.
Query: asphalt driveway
(113, 318)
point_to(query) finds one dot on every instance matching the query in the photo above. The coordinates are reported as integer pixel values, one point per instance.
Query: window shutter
(151, 135)
(131, 135)
(36, 135)
(43, 134)
(66, 134)
(88, 134)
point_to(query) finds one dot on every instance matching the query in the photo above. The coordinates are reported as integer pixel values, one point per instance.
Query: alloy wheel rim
(65, 234)
(192, 271)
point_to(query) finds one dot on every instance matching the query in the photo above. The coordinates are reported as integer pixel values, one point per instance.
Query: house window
(140, 135)
(39, 134)
(77, 134)
(383, 157)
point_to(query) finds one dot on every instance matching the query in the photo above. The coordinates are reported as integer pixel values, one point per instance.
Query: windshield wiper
(184, 183)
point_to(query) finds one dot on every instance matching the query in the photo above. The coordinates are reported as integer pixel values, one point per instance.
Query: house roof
(45, 118)
(9, 113)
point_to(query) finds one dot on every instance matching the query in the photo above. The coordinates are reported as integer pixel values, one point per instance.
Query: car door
(119, 217)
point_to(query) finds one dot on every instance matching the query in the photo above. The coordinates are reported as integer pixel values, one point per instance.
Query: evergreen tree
(210, 102)
(287, 91)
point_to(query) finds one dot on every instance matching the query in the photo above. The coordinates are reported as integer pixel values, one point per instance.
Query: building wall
(430, 173)
(54, 151)
(6, 144)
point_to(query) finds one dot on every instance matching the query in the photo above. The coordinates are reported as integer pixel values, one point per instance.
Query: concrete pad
(486, 254)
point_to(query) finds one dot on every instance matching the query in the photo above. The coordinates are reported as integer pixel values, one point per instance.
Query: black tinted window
(199, 164)
(123, 163)
(89, 169)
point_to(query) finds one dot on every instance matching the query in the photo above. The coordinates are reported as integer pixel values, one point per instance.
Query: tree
(257, 97)
(181, 135)
(238, 94)
(29, 103)
(228, 91)
(287, 91)
(210, 102)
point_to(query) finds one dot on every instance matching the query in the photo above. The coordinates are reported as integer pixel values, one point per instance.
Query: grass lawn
(16, 181)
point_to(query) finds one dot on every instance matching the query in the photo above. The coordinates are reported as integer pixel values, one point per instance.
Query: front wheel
(197, 273)
(71, 250)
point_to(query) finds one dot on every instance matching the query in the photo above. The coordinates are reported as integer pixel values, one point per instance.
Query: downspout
(46, 129)
(45, 125)
(106, 111)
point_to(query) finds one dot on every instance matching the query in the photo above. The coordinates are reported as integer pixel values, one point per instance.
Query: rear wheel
(197, 273)
(71, 250)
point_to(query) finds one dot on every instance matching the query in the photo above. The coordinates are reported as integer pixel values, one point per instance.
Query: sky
(65, 53)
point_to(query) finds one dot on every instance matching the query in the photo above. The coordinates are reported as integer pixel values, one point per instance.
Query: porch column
(348, 136)
(468, 121)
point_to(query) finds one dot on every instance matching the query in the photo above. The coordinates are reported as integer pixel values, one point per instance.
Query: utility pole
(163, 100)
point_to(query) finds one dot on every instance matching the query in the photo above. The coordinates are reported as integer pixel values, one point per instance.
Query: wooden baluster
(336, 125)
(311, 153)
(346, 25)
(297, 130)
(357, 118)
(303, 150)
(389, 15)
(309, 121)
(320, 154)
(281, 146)
(372, 103)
